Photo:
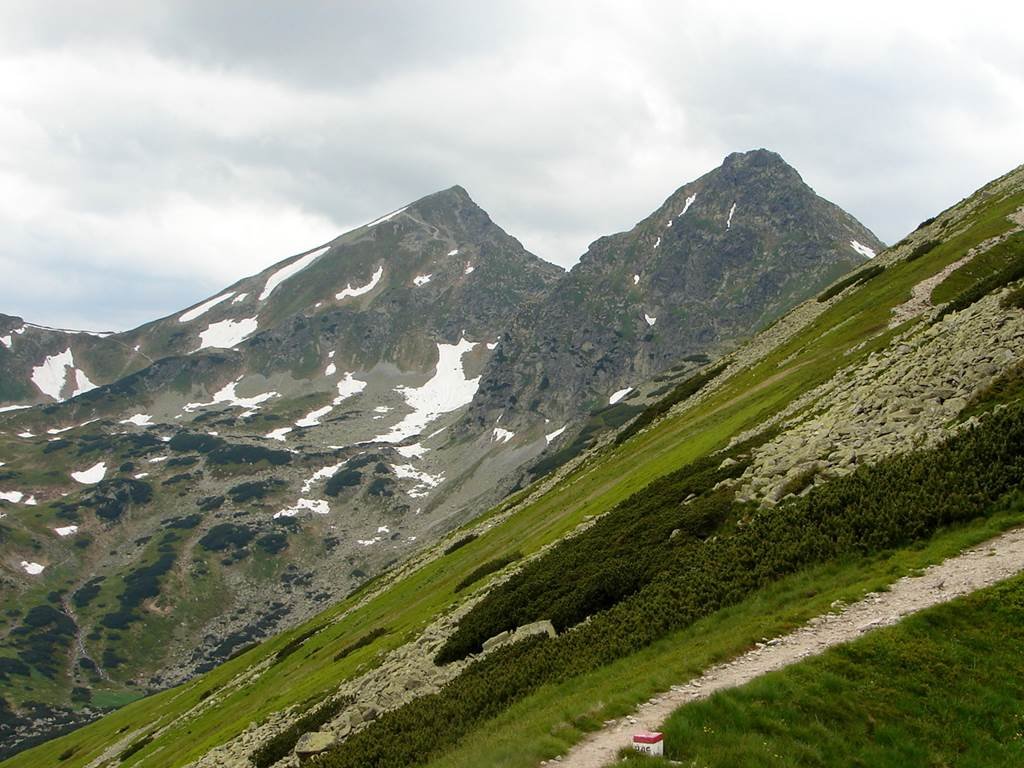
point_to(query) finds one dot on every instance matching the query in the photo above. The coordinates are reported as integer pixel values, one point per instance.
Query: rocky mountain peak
(723, 256)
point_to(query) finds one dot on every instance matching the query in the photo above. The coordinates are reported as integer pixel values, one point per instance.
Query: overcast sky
(152, 152)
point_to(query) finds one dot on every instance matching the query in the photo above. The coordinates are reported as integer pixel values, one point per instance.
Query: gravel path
(971, 570)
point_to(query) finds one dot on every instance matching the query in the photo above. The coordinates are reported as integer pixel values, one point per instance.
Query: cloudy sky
(151, 152)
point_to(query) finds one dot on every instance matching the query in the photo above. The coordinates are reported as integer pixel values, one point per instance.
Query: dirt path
(971, 570)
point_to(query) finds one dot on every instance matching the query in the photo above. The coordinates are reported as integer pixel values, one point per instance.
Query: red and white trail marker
(649, 742)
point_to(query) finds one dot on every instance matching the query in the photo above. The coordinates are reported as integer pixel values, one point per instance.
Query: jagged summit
(722, 256)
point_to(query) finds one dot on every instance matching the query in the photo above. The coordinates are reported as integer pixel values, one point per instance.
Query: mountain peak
(453, 196)
(757, 161)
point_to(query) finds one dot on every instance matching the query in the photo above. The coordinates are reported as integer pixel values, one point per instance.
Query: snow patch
(468, 270)
(347, 387)
(421, 280)
(239, 298)
(32, 569)
(92, 475)
(312, 419)
(290, 270)
(25, 434)
(82, 383)
(278, 434)
(141, 475)
(330, 370)
(650, 320)
(14, 497)
(447, 390)
(728, 223)
(320, 506)
(689, 201)
(616, 396)
(227, 333)
(502, 435)
(59, 430)
(424, 482)
(414, 451)
(321, 474)
(67, 530)
(636, 279)
(139, 420)
(228, 395)
(863, 250)
(6, 408)
(657, 242)
(350, 291)
(7, 340)
(50, 375)
(453, 252)
(203, 308)
(552, 435)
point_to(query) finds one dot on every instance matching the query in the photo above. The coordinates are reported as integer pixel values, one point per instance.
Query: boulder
(314, 743)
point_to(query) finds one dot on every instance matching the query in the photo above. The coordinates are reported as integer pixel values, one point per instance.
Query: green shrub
(1014, 299)
(922, 249)
(857, 278)
(135, 746)
(485, 569)
(1012, 250)
(281, 745)
(362, 642)
(224, 535)
(460, 543)
(900, 500)
(613, 559)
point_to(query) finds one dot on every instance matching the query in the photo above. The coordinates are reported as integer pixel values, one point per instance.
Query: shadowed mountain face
(723, 256)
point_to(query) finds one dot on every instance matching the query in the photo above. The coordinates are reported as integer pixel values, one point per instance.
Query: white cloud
(183, 145)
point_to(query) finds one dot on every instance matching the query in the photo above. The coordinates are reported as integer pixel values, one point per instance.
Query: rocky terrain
(721, 258)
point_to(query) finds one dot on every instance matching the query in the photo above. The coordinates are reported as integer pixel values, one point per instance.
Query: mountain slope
(258, 466)
(720, 258)
(750, 492)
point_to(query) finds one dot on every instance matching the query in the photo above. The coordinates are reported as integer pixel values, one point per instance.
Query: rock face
(723, 256)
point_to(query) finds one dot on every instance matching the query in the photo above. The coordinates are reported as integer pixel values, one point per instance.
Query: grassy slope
(548, 722)
(811, 357)
(940, 688)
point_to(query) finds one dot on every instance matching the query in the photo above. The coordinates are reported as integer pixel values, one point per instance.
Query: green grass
(858, 320)
(941, 688)
(982, 266)
(548, 722)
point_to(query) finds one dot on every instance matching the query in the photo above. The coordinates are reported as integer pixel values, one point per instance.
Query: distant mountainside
(174, 493)
(195, 483)
(722, 257)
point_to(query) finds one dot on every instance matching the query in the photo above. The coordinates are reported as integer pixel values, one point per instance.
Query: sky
(153, 152)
